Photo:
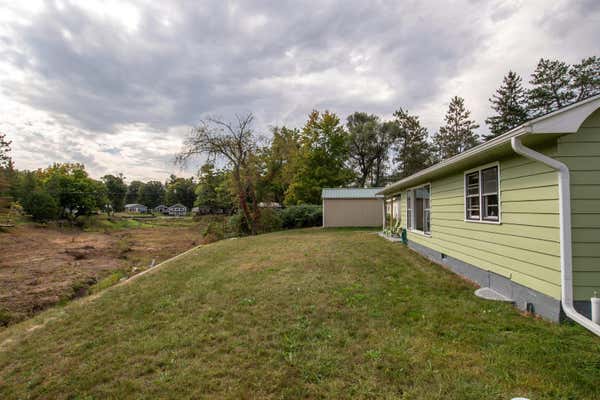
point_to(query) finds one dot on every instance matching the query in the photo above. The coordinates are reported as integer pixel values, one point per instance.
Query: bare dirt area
(41, 266)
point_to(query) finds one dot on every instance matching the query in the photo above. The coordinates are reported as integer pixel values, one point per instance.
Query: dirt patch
(40, 267)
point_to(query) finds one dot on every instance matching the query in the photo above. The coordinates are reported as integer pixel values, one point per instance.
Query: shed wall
(352, 212)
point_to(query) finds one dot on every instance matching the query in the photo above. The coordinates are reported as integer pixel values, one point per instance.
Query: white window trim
(412, 200)
(481, 220)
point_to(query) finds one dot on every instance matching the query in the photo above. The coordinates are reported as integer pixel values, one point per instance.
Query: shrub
(237, 224)
(41, 206)
(302, 216)
(213, 231)
(270, 220)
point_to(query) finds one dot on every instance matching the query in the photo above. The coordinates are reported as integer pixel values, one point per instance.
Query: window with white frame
(482, 195)
(418, 209)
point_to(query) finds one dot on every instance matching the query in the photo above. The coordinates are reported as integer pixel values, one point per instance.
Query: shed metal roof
(350, 193)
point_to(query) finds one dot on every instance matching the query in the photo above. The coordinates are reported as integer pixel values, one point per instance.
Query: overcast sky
(117, 85)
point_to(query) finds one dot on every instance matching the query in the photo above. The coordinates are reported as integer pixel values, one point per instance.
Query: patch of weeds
(6, 318)
(374, 355)
(354, 295)
(107, 282)
(123, 247)
(212, 316)
(248, 301)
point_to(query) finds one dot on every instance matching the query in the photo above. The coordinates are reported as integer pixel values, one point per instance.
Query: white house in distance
(136, 208)
(177, 210)
(161, 209)
(352, 207)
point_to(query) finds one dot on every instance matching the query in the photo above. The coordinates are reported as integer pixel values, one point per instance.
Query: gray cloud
(111, 84)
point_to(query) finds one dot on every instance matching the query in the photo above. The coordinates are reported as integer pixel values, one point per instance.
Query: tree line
(293, 166)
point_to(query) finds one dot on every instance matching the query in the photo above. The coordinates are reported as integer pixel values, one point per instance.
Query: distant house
(136, 208)
(162, 209)
(177, 210)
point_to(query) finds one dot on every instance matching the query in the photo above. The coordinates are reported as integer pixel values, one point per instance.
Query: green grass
(296, 314)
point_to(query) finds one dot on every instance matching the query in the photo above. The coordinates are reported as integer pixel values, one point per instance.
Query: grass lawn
(298, 314)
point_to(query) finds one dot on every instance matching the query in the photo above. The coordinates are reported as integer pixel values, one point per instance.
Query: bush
(302, 216)
(237, 224)
(213, 231)
(270, 220)
(41, 206)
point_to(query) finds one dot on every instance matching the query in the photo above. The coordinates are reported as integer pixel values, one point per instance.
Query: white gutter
(566, 256)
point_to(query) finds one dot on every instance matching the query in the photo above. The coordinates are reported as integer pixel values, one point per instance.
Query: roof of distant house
(350, 193)
(134, 205)
(178, 205)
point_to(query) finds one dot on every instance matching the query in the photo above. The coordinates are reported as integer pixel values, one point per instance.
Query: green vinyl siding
(524, 246)
(581, 152)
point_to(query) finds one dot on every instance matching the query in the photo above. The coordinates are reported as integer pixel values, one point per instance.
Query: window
(482, 198)
(418, 209)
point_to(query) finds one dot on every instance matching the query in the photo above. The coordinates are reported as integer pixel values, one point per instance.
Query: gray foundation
(524, 298)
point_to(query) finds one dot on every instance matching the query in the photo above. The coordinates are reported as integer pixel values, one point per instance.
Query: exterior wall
(352, 212)
(581, 152)
(523, 247)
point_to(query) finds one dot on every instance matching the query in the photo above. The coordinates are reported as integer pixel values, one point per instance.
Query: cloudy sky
(117, 85)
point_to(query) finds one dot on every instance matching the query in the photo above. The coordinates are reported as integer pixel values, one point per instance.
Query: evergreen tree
(5, 160)
(585, 77)
(551, 87)
(458, 134)
(412, 150)
(509, 103)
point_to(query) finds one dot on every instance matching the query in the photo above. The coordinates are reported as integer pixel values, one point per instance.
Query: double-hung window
(418, 209)
(482, 195)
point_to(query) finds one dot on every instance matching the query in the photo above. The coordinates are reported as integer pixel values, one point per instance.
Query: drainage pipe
(566, 256)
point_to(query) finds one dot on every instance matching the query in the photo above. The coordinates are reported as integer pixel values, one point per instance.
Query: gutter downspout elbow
(566, 256)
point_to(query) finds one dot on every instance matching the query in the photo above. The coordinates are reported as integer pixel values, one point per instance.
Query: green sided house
(519, 214)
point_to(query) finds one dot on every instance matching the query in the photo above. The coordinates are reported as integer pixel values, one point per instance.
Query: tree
(363, 144)
(509, 104)
(551, 87)
(133, 192)
(151, 194)
(74, 191)
(585, 78)
(383, 141)
(181, 190)
(116, 189)
(235, 143)
(212, 191)
(41, 206)
(5, 160)
(412, 150)
(321, 160)
(458, 134)
(279, 160)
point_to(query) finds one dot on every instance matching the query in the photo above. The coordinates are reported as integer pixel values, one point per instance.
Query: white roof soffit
(566, 120)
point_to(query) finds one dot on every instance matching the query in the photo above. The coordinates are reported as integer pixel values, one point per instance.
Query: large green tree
(212, 191)
(5, 160)
(458, 134)
(74, 191)
(368, 147)
(321, 161)
(116, 190)
(509, 104)
(133, 192)
(551, 87)
(278, 160)
(151, 194)
(181, 190)
(412, 151)
(585, 77)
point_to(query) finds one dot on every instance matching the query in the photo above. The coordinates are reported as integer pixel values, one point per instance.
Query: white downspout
(564, 204)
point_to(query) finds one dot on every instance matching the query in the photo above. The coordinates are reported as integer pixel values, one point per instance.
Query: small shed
(352, 207)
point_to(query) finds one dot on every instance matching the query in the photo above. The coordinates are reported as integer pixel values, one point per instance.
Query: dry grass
(298, 314)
